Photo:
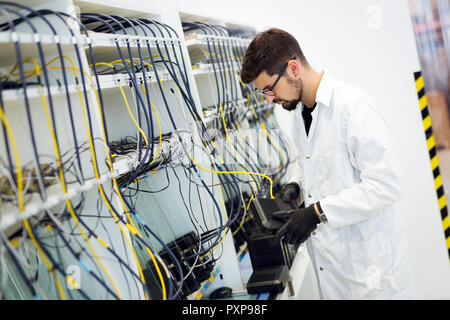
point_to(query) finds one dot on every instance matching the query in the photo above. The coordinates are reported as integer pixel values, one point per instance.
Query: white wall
(370, 44)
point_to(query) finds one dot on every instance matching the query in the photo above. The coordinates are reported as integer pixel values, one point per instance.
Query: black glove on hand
(290, 192)
(300, 223)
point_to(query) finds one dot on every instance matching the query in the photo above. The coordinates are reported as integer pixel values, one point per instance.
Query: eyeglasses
(269, 91)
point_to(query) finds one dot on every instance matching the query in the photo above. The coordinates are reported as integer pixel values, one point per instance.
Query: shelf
(104, 46)
(211, 111)
(105, 49)
(204, 69)
(111, 81)
(125, 163)
(11, 218)
(201, 40)
(108, 40)
(243, 110)
(34, 92)
(28, 45)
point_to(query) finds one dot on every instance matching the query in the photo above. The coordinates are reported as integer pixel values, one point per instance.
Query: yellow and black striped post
(431, 144)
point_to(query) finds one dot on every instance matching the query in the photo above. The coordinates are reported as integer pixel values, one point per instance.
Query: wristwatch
(322, 216)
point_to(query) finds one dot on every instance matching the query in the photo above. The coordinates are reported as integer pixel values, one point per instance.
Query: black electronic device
(266, 251)
(269, 279)
(190, 283)
(263, 209)
(221, 293)
(186, 246)
(271, 261)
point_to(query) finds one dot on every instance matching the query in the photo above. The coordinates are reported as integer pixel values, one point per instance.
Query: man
(344, 171)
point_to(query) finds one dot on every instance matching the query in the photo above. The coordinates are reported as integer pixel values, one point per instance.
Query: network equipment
(271, 260)
(264, 208)
(122, 137)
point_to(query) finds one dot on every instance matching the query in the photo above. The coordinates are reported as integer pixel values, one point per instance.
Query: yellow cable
(159, 126)
(267, 148)
(131, 115)
(135, 61)
(21, 202)
(258, 186)
(63, 179)
(225, 220)
(243, 216)
(68, 203)
(205, 54)
(94, 164)
(231, 144)
(277, 147)
(235, 172)
(133, 228)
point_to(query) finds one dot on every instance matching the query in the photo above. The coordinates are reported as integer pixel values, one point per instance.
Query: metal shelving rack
(165, 213)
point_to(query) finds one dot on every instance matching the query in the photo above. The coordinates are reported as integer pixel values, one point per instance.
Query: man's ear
(294, 68)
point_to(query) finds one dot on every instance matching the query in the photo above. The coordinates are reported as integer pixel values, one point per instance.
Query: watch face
(323, 218)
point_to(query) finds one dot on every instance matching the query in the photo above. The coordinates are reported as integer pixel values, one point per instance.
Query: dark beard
(292, 105)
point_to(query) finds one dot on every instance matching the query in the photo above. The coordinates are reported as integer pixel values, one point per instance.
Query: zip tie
(84, 265)
(139, 219)
(269, 125)
(199, 176)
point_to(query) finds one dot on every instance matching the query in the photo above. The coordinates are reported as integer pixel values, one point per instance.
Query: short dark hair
(269, 51)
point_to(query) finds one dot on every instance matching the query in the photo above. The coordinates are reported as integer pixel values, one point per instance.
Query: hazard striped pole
(431, 144)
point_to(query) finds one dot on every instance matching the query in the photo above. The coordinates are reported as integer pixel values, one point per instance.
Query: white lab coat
(346, 164)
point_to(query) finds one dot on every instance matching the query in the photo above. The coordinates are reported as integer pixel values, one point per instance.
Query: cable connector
(199, 176)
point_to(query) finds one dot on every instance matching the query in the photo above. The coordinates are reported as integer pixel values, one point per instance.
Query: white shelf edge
(8, 37)
(99, 39)
(205, 68)
(202, 39)
(35, 92)
(11, 216)
(110, 81)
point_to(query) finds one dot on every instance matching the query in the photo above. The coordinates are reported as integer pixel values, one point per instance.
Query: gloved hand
(299, 224)
(290, 191)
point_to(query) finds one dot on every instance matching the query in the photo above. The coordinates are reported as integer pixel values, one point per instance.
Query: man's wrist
(320, 213)
(316, 209)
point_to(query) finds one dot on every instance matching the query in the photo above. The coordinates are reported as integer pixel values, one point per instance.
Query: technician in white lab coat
(345, 173)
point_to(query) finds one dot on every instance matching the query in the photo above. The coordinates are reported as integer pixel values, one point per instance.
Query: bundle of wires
(69, 229)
